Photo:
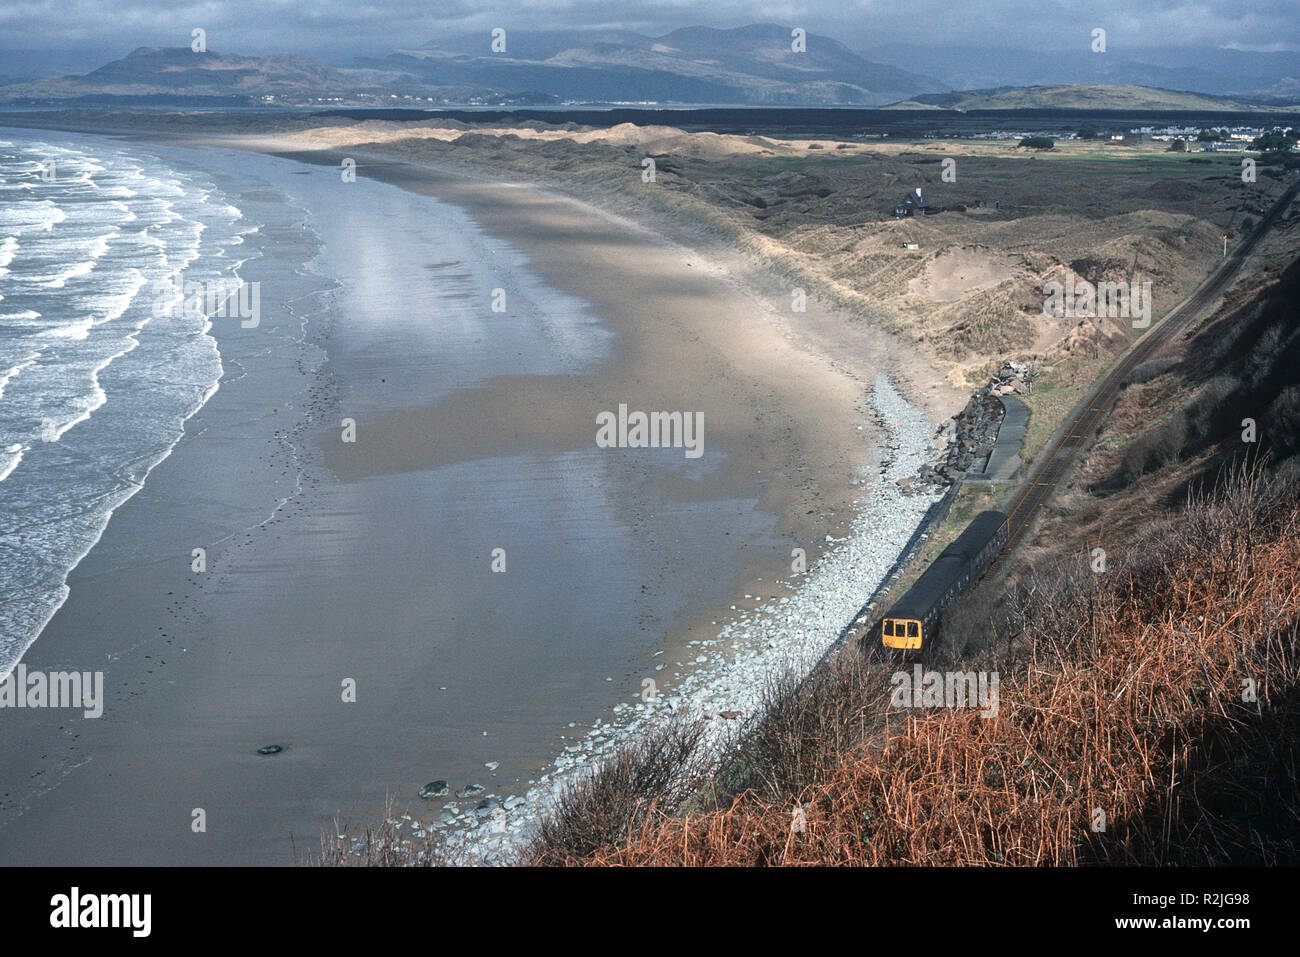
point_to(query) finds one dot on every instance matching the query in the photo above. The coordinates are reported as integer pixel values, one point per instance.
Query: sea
(371, 302)
(99, 366)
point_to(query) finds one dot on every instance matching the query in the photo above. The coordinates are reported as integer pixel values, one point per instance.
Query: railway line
(907, 624)
(1087, 417)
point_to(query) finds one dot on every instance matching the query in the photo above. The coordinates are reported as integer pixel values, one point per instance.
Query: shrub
(1122, 692)
(608, 803)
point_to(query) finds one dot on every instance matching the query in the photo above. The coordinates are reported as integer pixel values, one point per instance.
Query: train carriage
(912, 619)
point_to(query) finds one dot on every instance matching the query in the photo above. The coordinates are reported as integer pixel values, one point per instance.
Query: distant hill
(180, 74)
(1074, 96)
(751, 65)
(1251, 76)
(745, 66)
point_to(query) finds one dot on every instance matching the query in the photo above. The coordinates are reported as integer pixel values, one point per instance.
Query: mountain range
(753, 65)
(746, 66)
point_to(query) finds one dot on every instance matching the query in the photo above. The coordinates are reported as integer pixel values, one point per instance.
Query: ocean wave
(9, 374)
(75, 330)
(119, 301)
(75, 274)
(42, 215)
(59, 280)
(94, 252)
(9, 459)
(8, 249)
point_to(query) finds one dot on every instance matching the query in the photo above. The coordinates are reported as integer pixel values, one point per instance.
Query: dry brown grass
(1121, 692)
(396, 841)
(805, 727)
(612, 800)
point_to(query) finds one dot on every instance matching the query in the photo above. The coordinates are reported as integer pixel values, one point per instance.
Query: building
(913, 204)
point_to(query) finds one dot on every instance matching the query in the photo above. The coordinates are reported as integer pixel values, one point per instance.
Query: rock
(513, 802)
(270, 749)
(434, 789)
(470, 790)
(492, 765)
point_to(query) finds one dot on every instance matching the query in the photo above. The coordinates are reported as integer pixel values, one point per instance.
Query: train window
(911, 629)
(889, 627)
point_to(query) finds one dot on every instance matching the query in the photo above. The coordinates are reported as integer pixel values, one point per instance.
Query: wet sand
(350, 580)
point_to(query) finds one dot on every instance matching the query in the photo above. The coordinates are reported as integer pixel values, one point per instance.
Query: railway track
(1086, 418)
(1074, 434)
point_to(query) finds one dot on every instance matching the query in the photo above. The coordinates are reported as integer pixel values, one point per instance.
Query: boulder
(434, 789)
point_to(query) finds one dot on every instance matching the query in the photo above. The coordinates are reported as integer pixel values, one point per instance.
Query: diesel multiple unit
(912, 619)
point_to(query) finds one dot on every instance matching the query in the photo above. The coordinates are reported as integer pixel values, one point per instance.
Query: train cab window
(911, 629)
(889, 627)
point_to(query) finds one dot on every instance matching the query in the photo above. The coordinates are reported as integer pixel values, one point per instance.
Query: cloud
(339, 27)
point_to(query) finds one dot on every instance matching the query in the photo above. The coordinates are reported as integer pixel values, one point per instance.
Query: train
(912, 620)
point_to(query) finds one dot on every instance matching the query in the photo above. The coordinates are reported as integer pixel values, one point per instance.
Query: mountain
(179, 74)
(1073, 96)
(751, 65)
(1244, 74)
(745, 66)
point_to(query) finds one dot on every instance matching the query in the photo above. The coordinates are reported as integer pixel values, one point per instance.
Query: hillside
(179, 73)
(752, 65)
(1250, 75)
(746, 65)
(1074, 96)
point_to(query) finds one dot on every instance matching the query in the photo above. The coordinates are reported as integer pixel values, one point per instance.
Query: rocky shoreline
(967, 437)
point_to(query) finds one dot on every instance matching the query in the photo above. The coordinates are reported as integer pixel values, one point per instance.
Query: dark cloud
(335, 28)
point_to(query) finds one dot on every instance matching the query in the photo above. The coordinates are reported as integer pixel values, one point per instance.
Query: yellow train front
(910, 622)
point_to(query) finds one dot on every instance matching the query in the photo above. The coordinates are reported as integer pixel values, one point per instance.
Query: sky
(101, 30)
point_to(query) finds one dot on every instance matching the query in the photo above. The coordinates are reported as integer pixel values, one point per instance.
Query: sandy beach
(334, 561)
